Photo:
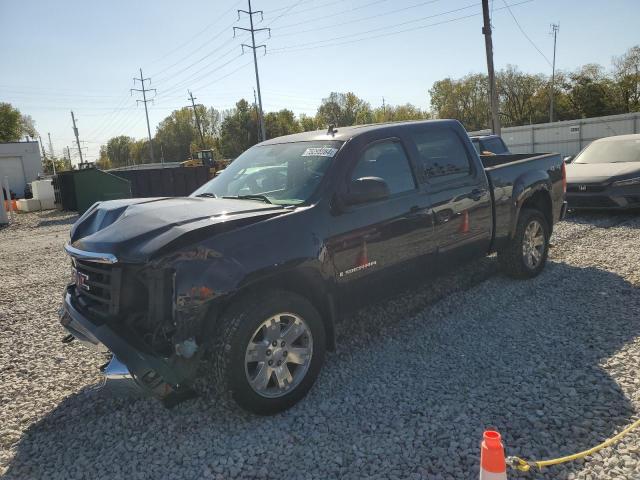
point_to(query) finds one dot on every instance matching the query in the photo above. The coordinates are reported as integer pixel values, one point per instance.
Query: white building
(21, 162)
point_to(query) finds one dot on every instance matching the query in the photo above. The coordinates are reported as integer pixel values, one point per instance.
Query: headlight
(624, 183)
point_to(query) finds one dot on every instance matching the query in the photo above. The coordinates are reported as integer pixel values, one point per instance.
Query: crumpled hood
(600, 172)
(135, 229)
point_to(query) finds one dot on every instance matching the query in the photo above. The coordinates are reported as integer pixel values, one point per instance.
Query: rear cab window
(442, 155)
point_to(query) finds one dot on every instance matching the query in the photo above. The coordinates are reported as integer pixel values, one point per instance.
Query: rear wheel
(270, 351)
(526, 254)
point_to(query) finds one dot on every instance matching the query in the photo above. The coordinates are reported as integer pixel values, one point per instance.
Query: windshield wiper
(264, 198)
(207, 194)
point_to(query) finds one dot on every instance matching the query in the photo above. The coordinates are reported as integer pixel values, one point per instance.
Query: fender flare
(525, 186)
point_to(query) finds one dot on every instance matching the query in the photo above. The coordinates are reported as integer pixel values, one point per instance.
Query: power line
(386, 27)
(349, 10)
(524, 33)
(350, 22)
(193, 37)
(201, 59)
(145, 101)
(325, 43)
(250, 13)
(195, 76)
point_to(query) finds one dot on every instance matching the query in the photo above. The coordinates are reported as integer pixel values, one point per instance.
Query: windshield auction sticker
(320, 152)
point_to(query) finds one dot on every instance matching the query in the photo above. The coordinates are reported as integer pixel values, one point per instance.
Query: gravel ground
(552, 363)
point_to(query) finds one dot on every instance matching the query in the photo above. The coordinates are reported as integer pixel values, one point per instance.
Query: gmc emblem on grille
(582, 188)
(81, 280)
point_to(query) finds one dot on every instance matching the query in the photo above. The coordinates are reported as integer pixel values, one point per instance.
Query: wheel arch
(304, 281)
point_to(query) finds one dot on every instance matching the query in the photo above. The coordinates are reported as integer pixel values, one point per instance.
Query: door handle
(477, 193)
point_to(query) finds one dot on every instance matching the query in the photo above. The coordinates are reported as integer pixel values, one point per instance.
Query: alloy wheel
(278, 355)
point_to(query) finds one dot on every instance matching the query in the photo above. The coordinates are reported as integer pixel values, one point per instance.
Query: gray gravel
(552, 363)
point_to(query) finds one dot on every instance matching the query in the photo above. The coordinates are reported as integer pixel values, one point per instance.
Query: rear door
(458, 189)
(372, 243)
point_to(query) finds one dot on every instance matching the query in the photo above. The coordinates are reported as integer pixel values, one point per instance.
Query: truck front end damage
(150, 323)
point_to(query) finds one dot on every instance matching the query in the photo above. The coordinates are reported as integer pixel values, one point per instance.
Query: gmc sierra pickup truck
(235, 290)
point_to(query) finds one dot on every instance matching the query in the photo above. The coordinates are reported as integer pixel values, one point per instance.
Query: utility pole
(75, 131)
(255, 106)
(145, 101)
(554, 31)
(69, 158)
(53, 157)
(253, 47)
(195, 113)
(50, 146)
(44, 154)
(493, 92)
(384, 109)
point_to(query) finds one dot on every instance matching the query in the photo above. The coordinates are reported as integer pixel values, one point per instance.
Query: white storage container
(28, 205)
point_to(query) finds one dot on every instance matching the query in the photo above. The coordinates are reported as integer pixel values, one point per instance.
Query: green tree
(11, 127)
(177, 133)
(592, 93)
(343, 109)
(626, 74)
(60, 163)
(238, 130)
(518, 93)
(118, 151)
(103, 161)
(281, 123)
(308, 123)
(465, 99)
(398, 113)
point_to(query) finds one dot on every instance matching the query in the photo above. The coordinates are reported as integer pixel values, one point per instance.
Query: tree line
(589, 91)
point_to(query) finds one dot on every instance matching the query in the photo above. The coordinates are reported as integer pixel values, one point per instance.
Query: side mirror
(367, 189)
(568, 159)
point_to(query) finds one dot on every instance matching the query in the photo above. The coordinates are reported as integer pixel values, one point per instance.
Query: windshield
(610, 151)
(284, 174)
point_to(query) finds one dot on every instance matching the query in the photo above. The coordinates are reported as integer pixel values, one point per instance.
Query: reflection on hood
(136, 229)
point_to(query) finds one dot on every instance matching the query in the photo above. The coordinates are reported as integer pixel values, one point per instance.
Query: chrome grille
(97, 286)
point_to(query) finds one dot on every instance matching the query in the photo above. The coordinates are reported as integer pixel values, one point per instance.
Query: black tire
(513, 259)
(225, 367)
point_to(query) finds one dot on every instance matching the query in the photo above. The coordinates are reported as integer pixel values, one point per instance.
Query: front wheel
(271, 352)
(526, 254)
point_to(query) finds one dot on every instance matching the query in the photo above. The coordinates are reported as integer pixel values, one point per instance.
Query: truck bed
(490, 161)
(509, 175)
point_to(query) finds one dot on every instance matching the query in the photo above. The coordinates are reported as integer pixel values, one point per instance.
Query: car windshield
(611, 151)
(284, 173)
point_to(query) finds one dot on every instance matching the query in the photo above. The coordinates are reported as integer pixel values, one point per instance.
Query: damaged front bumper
(156, 374)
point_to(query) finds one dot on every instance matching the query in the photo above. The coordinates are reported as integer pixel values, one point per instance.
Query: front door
(372, 242)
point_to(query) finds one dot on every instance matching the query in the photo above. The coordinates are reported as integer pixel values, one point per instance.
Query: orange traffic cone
(464, 227)
(492, 462)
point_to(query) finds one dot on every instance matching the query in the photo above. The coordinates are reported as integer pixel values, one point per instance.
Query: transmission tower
(145, 101)
(250, 13)
(554, 31)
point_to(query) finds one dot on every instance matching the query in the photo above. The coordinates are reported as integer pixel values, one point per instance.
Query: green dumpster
(93, 185)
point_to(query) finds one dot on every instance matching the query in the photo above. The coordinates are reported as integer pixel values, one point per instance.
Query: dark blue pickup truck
(236, 288)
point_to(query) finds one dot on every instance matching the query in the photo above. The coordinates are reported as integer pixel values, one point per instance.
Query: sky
(82, 55)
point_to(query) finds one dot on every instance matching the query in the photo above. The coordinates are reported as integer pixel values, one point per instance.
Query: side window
(495, 145)
(442, 155)
(388, 161)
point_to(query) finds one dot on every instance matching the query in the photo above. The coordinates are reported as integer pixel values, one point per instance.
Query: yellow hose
(525, 466)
